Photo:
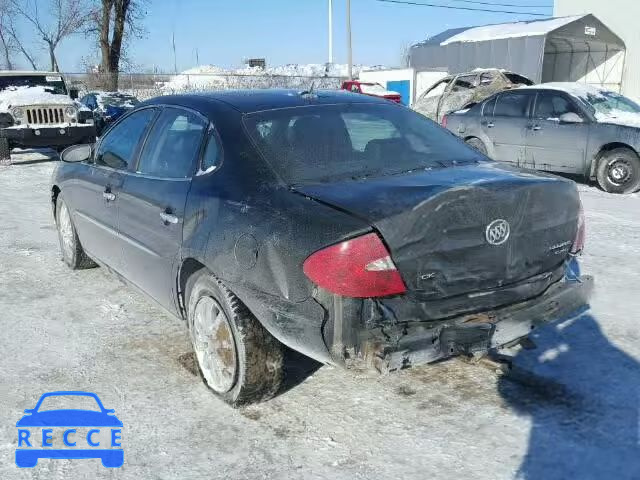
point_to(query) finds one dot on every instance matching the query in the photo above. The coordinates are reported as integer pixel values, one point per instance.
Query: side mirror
(73, 93)
(77, 153)
(29, 410)
(571, 117)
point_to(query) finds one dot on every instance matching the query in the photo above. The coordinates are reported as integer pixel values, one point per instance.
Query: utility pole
(173, 44)
(330, 31)
(349, 56)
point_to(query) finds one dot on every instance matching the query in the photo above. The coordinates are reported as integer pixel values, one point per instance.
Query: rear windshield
(331, 142)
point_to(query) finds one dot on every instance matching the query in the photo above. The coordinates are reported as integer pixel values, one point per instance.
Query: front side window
(552, 106)
(332, 142)
(512, 104)
(173, 144)
(118, 147)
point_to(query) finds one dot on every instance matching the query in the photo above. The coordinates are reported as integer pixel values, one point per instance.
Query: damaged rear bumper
(413, 343)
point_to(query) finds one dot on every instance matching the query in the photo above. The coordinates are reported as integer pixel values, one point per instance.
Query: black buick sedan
(348, 228)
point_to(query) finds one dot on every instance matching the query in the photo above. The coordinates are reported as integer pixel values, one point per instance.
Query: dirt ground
(576, 415)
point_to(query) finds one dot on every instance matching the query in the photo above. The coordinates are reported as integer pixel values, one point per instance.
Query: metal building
(577, 48)
(622, 17)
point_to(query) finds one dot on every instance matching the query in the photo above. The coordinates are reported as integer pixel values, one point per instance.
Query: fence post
(131, 81)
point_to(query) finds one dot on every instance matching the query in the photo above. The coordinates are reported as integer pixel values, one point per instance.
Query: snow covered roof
(502, 30)
(584, 91)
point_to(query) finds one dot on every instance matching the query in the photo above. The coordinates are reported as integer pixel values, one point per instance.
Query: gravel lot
(575, 416)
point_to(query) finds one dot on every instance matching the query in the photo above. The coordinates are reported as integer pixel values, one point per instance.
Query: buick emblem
(497, 232)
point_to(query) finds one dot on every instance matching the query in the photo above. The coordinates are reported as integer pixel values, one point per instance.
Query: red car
(371, 89)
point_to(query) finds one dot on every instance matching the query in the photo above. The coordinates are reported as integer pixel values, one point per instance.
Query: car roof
(248, 101)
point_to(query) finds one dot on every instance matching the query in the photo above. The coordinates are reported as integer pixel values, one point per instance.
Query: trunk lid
(436, 223)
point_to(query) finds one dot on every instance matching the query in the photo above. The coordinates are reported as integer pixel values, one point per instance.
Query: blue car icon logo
(68, 432)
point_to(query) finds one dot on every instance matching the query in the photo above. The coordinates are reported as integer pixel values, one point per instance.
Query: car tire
(618, 171)
(245, 364)
(5, 151)
(72, 252)
(477, 144)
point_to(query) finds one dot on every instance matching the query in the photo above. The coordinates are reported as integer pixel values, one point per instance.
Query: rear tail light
(360, 268)
(444, 121)
(578, 242)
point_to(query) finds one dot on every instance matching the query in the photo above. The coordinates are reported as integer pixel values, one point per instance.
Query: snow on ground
(214, 77)
(577, 417)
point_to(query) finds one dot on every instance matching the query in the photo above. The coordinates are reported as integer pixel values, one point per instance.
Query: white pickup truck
(38, 110)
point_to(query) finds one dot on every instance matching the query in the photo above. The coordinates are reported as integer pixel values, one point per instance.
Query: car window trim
(162, 107)
(136, 153)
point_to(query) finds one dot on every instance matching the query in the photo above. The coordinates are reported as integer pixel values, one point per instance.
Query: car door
(506, 128)
(95, 193)
(552, 144)
(153, 201)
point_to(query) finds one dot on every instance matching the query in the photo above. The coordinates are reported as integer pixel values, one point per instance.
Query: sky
(224, 32)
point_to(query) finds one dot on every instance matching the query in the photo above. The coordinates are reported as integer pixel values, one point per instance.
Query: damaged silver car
(464, 90)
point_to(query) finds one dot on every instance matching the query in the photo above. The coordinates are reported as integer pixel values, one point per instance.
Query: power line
(451, 7)
(503, 4)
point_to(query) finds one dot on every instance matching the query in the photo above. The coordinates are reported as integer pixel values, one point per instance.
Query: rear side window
(465, 82)
(118, 147)
(511, 104)
(489, 106)
(172, 145)
(212, 153)
(324, 143)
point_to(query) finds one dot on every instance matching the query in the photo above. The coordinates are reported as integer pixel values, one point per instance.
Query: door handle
(535, 128)
(108, 196)
(490, 125)
(168, 218)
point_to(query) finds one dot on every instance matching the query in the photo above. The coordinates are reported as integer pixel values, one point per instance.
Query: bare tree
(6, 47)
(114, 22)
(10, 42)
(61, 19)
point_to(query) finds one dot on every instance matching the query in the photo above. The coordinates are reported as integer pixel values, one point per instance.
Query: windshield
(610, 102)
(332, 142)
(118, 100)
(53, 83)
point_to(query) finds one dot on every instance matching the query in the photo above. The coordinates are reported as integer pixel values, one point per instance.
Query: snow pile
(24, 96)
(511, 30)
(211, 77)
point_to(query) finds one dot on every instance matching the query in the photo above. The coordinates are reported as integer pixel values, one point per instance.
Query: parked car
(559, 127)
(38, 110)
(464, 90)
(356, 232)
(371, 89)
(107, 107)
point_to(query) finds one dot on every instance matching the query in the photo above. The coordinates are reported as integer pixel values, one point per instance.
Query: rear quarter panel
(254, 234)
